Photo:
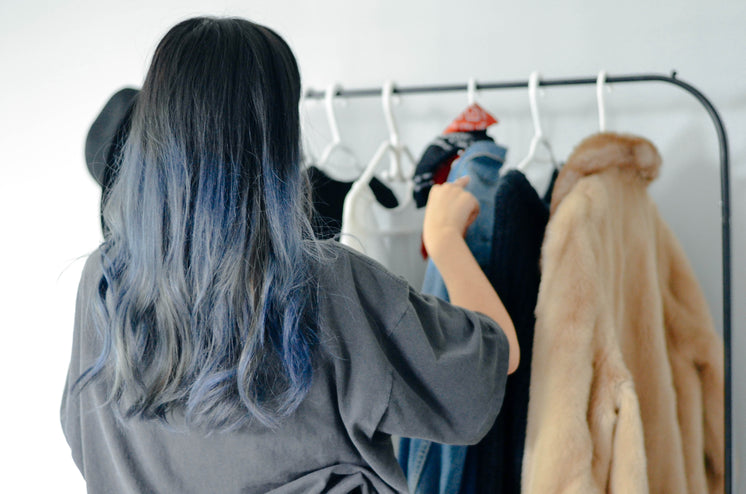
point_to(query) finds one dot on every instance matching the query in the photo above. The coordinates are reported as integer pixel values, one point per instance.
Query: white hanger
(394, 146)
(471, 91)
(539, 139)
(308, 158)
(600, 87)
(395, 149)
(336, 144)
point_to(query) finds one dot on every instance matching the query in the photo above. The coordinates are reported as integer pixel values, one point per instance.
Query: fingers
(454, 192)
(451, 206)
(450, 211)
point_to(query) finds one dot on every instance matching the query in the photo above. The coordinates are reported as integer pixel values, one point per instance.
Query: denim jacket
(438, 468)
(482, 162)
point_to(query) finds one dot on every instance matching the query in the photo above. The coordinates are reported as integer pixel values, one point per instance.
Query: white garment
(392, 237)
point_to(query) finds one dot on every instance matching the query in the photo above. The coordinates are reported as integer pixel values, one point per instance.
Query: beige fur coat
(627, 376)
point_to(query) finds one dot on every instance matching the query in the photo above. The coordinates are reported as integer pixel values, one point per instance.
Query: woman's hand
(450, 211)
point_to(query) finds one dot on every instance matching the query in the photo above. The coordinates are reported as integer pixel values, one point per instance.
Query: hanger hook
(533, 87)
(306, 156)
(331, 92)
(600, 85)
(471, 91)
(302, 99)
(388, 112)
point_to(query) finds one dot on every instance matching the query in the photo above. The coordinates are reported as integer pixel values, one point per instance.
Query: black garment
(105, 141)
(441, 152)
(521, 217)
(328, 201)
(105, 138)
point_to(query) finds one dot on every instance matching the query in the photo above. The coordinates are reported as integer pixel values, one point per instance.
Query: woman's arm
(450, 211)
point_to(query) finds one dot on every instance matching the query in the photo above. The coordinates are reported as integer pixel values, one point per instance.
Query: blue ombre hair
(208, 295)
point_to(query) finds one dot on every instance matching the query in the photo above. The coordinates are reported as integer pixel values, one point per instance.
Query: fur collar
(600, 152)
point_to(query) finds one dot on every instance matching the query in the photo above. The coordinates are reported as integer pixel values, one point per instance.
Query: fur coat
(627, 372)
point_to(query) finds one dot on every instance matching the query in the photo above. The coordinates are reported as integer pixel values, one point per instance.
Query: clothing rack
(724, 189)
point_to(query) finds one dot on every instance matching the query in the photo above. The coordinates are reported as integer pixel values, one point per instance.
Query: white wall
(60, 61)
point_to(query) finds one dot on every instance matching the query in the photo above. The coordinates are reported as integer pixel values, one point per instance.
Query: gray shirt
(391, 361)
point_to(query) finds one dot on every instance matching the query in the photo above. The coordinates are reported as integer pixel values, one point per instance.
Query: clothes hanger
(336, 146)
(307, 155)
(471, 91)
(600, 87)
(476, 113)
(395, 149)
(474, 117)
(394, 146)
(539, 140)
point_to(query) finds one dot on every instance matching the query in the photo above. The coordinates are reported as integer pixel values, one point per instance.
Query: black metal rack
(724, 192)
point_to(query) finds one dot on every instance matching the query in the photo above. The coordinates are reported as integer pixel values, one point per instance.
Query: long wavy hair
(207, 301)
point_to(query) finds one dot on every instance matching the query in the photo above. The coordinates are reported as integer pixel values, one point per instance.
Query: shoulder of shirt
(336, 253)
(350, 272)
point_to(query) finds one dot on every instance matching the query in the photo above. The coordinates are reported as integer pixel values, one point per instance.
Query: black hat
(107, 135)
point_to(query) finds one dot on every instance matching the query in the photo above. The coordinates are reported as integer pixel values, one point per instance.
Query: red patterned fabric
(473, 118)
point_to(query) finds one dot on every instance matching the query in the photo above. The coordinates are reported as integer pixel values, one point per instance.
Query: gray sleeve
(449, 368)
(70, 408)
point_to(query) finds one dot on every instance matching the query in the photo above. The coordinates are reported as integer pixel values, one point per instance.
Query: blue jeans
(433, 468)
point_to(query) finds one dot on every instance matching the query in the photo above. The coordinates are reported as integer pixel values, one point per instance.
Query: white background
(61, 60)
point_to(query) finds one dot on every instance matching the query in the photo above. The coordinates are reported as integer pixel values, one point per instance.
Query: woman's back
(389, 361)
